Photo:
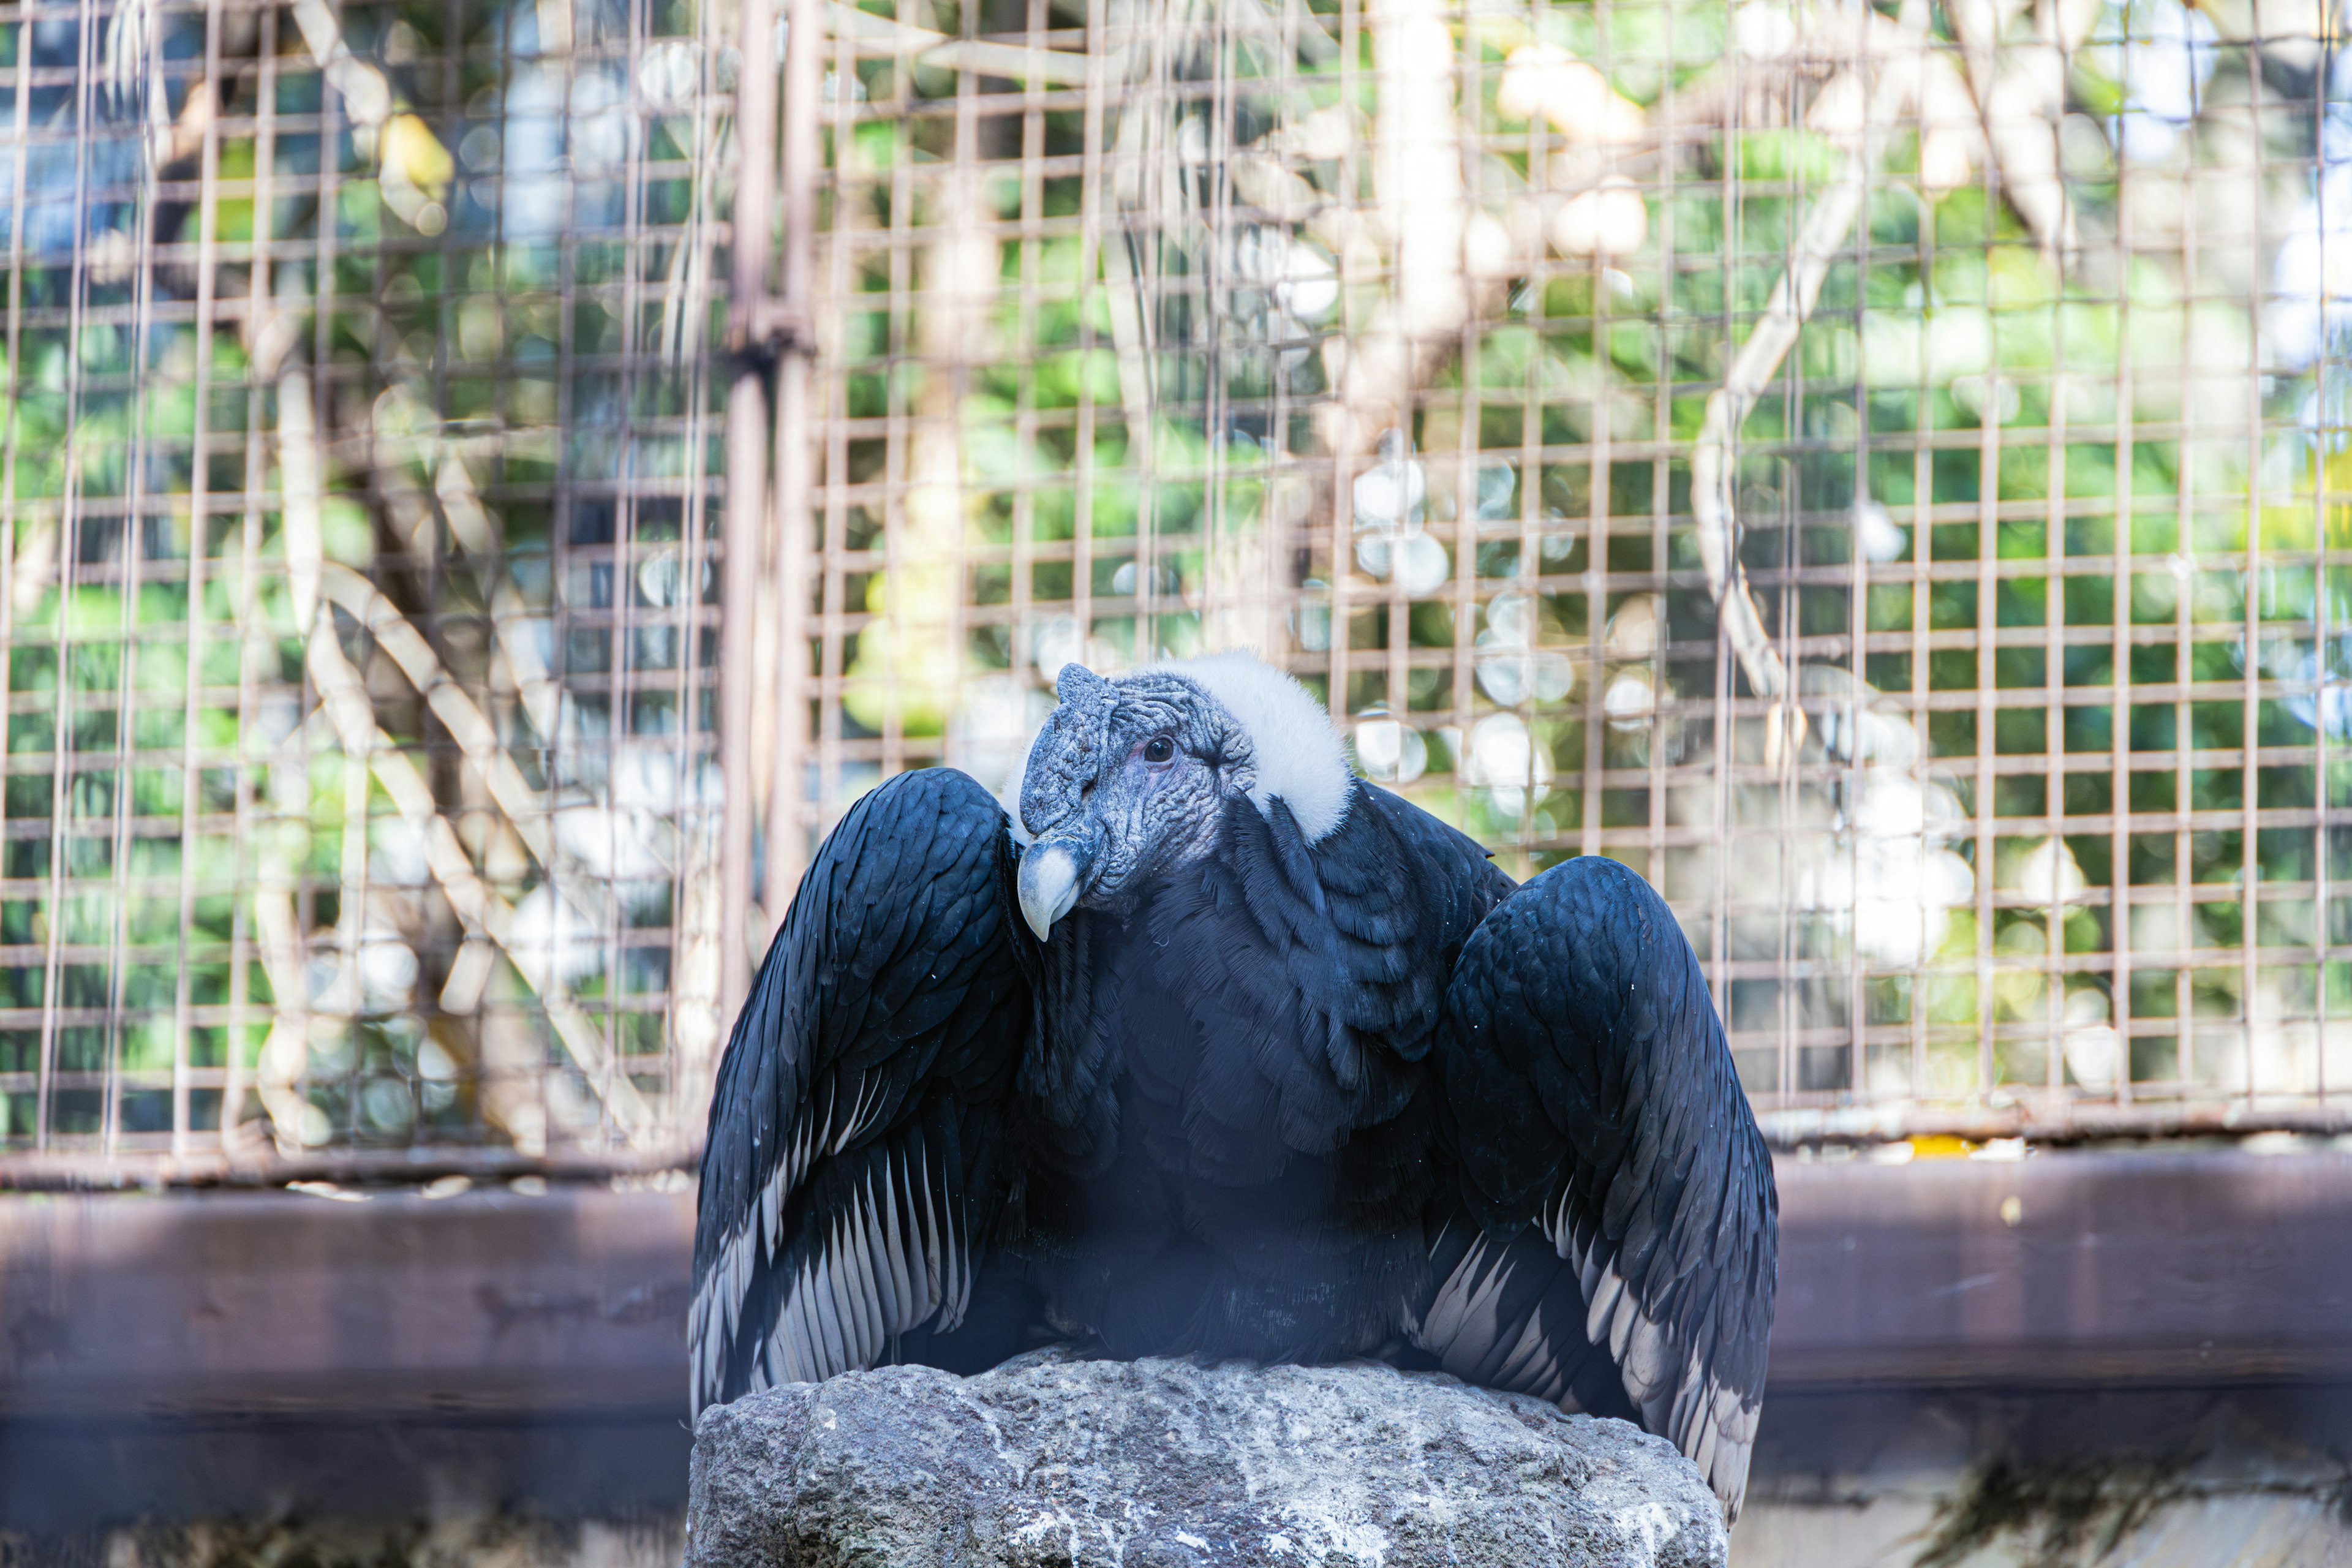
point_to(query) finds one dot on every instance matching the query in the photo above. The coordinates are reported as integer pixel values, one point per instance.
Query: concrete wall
(1975, 1362)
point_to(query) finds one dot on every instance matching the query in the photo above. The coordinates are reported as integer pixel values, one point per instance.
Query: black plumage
(857, 1159)
(1294, 1093)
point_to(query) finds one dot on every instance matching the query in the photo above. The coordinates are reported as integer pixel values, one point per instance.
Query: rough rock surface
(1051, 1460)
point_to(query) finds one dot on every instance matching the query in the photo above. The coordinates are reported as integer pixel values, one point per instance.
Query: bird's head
(1131, 774)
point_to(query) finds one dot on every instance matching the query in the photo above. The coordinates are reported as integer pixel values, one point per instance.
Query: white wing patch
(1684, 1402)
(1299, 758)
(1464, 1328)
(1675, 1390)
(1721, 1442)
(891, 1257)
(1464, 1304)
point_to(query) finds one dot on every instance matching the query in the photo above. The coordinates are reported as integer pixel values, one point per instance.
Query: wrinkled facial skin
(1125, 782)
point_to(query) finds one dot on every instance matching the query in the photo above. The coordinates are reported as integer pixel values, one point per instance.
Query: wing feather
(1590, 1098)
(886, 1245)
(850, 1165)
(1508, 1314)
(1602, 1303)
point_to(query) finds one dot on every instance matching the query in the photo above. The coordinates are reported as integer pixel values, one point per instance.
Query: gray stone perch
(1170, 1464)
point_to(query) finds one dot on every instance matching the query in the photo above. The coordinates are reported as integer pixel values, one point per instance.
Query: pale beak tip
(1049, 885)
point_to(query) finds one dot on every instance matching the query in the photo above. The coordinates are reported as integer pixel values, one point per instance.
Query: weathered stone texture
(1171, 1464)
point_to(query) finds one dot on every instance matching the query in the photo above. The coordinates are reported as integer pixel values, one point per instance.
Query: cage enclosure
(486, 484)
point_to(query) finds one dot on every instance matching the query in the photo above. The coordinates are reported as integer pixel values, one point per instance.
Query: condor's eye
(1158, 749)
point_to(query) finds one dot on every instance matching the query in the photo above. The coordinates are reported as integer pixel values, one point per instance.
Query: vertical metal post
(747, 463)
(795, 473)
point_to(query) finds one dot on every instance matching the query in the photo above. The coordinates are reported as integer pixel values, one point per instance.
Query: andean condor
(1218, 1050)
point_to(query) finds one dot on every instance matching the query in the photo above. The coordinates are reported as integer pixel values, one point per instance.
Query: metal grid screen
(1874, 471)
(1871, 471)
(356, 538)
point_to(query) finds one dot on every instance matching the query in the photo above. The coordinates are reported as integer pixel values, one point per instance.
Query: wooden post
(747, 463)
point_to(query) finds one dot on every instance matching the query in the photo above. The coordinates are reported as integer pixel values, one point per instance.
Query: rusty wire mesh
(1877, 472)
(356, 642)
(1992, 781)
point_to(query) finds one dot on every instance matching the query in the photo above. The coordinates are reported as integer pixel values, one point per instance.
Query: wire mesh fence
(1877, 472)
(356, 629)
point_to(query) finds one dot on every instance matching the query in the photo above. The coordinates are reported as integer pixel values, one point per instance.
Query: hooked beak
(1051, 872)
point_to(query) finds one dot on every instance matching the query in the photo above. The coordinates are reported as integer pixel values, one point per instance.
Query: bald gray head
(1130, 775)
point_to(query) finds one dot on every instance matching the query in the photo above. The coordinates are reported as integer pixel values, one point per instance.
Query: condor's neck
(1086, 960)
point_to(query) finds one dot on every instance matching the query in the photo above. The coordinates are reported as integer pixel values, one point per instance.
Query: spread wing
(855, 1164)
(1622, 1196)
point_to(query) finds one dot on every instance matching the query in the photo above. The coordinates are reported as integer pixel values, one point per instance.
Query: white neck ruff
(1300, 758)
